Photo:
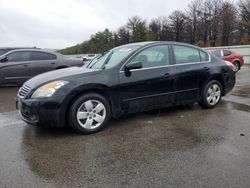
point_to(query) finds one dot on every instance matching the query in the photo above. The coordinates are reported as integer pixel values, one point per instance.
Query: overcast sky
(62, 23)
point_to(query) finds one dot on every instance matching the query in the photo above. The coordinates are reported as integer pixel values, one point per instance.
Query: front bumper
(45, 112)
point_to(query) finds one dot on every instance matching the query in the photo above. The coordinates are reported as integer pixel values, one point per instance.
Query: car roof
(149, 43)
(33, 50)
(13, 48)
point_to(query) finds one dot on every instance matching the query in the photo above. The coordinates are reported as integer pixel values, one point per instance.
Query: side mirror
(3, 59)
(133, 65)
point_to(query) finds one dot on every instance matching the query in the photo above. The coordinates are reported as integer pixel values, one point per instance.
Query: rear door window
(204, 56)
(36, 56)
(185, 54)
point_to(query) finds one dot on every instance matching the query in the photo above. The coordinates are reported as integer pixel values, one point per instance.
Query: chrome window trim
(134, 70)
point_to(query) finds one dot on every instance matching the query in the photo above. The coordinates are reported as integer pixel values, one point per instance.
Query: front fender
(80, 90)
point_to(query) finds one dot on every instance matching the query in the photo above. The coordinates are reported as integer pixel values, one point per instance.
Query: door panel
(38, 67)
(16, 68)
(188, 80)
(42, 62)
(150, 87)
(192, 68)
(147, 89)
(15, 72)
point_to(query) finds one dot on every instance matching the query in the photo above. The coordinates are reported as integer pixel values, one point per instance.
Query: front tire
(89, 113)
(211, 94)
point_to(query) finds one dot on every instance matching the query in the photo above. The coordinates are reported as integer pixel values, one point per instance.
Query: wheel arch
(102, 90)
(237, 61)
(216, 77)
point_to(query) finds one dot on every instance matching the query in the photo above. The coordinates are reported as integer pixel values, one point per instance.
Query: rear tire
(211, 94)
(237, 66)
(89, 113)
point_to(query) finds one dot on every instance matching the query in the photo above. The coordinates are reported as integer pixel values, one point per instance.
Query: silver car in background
(17, 66)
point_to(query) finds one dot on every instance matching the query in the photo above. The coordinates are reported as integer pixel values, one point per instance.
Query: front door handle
(205, 69)
(25, 65)
(53, 63)
(166, 75)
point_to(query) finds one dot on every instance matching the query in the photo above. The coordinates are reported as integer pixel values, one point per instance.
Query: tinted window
(153, 56)
(217, 53)
(204, 56)
(42, 56)
(19, 56)
(185, 54)
(227, 52)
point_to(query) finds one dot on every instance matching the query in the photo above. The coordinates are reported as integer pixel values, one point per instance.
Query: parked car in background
(127, 79)
(7, 49)
(85, 57)
(17, 66)
(91, 56)
(228, 55)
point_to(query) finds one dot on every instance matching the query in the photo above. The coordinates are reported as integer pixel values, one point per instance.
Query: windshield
(111, 58)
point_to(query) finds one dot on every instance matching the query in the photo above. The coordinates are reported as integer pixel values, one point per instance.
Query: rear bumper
(44, 112)
(229, 86)
(230, 83)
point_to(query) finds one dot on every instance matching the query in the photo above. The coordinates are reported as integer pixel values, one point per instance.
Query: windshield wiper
(107, 60)
(98, 57)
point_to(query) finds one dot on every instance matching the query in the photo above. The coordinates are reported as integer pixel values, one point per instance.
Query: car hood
(60, 74)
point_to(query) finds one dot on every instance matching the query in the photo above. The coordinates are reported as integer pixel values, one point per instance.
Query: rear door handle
(25, 65)
(53, 63)
(166, 75)
(205, 69)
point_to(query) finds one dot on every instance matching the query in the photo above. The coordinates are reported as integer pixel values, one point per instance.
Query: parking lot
(176, 147)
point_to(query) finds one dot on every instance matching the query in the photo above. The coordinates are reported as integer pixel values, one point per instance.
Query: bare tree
(178, 21)
(155, 28)
(228, 21)
(244, 24)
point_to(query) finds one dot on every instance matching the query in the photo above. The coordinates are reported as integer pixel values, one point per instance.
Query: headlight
(48, 90)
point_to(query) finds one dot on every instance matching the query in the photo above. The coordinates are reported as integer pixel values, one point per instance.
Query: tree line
(205, 23)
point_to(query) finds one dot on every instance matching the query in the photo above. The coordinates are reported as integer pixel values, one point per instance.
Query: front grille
(24, 90)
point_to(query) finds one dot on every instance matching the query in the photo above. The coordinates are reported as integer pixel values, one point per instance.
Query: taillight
(231, 65)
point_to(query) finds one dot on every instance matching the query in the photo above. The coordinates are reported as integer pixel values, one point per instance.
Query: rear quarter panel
(70, 62)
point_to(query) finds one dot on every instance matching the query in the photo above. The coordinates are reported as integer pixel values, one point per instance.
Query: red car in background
(228, 55)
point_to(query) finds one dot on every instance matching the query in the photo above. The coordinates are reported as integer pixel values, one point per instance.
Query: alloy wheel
(91, 114)
(213, 94)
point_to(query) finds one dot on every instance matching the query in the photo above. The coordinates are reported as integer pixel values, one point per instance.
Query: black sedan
(19, 65)
(127, 79)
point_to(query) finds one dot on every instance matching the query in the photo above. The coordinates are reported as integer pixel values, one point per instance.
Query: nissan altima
(127, 79)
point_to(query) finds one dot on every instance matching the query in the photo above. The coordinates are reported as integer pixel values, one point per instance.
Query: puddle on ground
(242, 91)
(237, 106)
(178, 138)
